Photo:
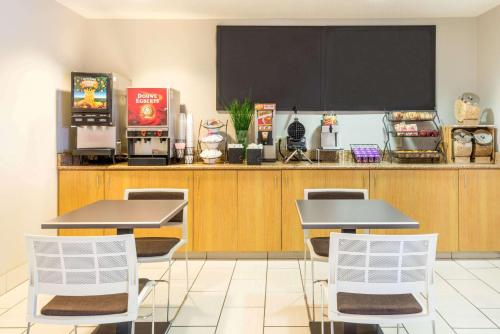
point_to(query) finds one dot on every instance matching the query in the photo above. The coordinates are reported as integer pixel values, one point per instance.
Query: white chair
(319, 247)
(374, 279)
(93, 280)
(162, 249)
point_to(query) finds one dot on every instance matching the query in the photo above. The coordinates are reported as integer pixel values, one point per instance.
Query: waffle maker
(296, 140)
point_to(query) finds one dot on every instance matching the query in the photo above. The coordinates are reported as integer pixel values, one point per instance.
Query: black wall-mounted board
(328, 68)
(379, 68)
(269, 64)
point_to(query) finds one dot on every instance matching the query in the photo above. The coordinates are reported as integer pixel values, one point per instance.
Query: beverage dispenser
(264, 118)
(151, 125)
(97, 103)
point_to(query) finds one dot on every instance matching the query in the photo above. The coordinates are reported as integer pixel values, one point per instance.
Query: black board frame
(322, 106)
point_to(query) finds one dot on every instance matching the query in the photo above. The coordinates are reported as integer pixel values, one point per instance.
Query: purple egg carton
(366, 153)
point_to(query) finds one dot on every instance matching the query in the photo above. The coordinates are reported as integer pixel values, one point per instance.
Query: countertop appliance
(296, 140)
(151, 125)
(97, 104)
(265, 114)
(330, 133)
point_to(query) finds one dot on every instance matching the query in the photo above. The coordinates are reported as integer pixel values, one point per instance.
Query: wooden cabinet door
(428, 196)
(478, 210)
(259, 211)
(118, 181)
(215, 210)
(78, 188)
(294, 183)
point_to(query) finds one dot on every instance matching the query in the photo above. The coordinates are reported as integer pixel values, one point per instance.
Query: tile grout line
(225, 296)
(187, 292)
(303, 283)
(470, 302)
(479, 278)
(469, 271)
(265, 298)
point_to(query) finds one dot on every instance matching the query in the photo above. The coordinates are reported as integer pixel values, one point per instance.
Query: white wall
(182, 54)
(41, 43)
(488, 49)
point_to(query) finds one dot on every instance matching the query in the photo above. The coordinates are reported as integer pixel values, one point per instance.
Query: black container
(148, 161)
(235, 155)
(254, 156)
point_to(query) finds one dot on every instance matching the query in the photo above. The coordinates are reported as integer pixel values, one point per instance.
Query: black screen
(332, 68)
(269, 64)
(379, 68)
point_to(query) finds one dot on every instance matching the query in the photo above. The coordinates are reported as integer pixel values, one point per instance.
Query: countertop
(282, 166)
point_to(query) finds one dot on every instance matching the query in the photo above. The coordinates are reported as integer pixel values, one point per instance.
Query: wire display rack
(431, 131)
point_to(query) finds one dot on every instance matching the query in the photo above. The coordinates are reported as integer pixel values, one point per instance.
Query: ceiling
(277, 9)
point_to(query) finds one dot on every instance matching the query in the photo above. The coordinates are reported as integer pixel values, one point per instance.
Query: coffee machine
(330, 136)
(98, 100)
(265, 114)
(151, 125)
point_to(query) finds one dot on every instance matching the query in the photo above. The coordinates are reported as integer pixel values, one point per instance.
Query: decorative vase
(242, 136)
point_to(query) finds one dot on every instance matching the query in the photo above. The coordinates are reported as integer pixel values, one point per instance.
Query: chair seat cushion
(155, 246)
(80, 306)
(321, 246)
(365, 304)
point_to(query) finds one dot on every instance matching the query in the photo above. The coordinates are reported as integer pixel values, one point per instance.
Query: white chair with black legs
(373, 279)
(93, 280)
(319, 247)
(162, 249)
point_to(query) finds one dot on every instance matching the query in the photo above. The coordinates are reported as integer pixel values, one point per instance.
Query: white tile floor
(266, 297)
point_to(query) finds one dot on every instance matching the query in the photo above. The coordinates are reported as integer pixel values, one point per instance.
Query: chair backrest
(332, 193)
(163, 194)
(83, 266)
(381, 264)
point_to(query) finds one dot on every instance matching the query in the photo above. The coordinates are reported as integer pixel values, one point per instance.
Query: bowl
(210, 156)
(212, 146)
(210, 161)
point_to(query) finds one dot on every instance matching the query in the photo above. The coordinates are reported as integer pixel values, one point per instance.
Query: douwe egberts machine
(151, 124)
(97, 102)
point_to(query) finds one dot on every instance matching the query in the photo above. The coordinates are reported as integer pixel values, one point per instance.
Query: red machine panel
(147, 107)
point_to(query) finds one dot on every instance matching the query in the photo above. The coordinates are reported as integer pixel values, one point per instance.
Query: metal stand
(300, 155)
(389, 132)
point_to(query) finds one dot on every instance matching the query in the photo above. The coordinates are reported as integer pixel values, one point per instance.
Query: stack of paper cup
(189, 153)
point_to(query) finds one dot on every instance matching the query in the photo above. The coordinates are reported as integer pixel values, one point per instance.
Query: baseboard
(444, 255)
(475, 255)
(240, 255)
(286, 255)
(236, 255)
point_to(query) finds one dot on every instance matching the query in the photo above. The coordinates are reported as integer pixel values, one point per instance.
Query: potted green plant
(241, 115)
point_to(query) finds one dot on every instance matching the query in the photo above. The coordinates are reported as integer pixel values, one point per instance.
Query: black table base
(345, 328)
(126, 328)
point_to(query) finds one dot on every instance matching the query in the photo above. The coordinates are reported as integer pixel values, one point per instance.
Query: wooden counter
(252, 208)
(289, 166)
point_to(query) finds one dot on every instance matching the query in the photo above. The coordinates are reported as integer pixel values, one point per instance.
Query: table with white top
(125, 216)
(350, 215)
